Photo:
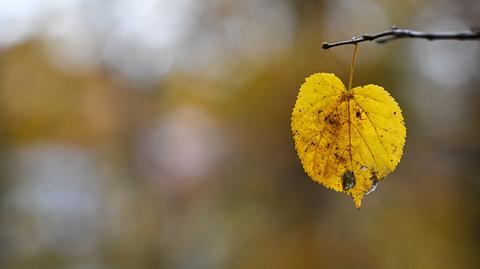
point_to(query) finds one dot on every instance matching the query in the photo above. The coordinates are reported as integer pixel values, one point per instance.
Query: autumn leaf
(347, 140)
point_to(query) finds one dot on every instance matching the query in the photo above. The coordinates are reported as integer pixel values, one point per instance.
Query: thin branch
(396, 33)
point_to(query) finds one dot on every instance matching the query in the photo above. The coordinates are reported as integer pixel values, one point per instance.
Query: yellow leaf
(347, 140)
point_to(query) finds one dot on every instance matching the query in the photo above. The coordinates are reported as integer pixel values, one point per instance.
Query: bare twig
(396, 33)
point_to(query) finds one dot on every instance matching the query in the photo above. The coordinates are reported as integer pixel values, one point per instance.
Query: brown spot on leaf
(332, 120)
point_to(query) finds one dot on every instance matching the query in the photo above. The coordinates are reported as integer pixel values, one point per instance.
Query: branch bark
(397, 33)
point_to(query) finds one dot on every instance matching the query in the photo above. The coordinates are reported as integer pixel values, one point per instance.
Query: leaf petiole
(352, 67)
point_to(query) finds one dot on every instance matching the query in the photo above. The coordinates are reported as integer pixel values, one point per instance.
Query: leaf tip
(358, 201)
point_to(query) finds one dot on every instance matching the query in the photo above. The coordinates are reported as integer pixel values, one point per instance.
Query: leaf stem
(352, 67)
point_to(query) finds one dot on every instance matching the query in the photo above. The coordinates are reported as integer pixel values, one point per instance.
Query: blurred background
(156, 134)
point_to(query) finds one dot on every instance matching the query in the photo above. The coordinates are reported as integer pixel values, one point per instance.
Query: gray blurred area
(156, 134)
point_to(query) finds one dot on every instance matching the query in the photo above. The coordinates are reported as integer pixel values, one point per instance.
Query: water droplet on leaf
(348, 180)
(373, 187)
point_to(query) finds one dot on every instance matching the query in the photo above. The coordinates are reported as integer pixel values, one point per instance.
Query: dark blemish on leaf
(394, 113)
(348, 180)
(332, 120)
(358, 114)
(381, 136)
